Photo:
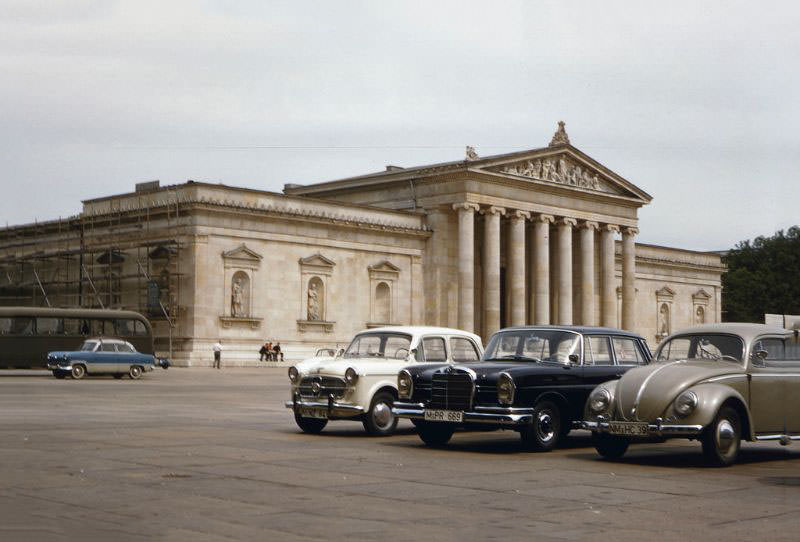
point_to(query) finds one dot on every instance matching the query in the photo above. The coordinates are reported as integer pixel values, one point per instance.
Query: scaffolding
(127, 257)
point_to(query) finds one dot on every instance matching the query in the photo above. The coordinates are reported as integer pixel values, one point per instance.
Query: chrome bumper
(657, 429)
(335, 410)
(489, 415)
(57, 367)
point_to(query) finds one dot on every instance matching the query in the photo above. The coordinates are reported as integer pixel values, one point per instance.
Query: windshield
(704, 346)
(88, 346)
(379, 345)
(533, 345)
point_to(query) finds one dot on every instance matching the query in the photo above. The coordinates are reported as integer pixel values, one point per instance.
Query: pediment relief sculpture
(560, 170)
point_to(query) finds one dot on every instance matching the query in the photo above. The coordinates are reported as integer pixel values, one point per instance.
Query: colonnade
(538, 296)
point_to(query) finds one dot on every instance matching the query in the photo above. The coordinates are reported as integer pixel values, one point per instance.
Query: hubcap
(382, 415)
(725, 436)
(544, 426)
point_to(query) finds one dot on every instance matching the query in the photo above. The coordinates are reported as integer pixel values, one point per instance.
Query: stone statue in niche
(700, 316)
(313, 302)
(663, 320)
(237, 304)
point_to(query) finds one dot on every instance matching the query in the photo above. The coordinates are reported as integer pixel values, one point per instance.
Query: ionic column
(541, 268)
(565, 270)
(607, 285)
(587, 272)
(491, 270)
(516, 266)
(628, 278)
(466, 265)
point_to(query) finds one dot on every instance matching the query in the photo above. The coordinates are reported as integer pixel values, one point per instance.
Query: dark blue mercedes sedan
(103, 356)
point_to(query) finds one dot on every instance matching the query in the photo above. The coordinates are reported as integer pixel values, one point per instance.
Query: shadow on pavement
(690, 457)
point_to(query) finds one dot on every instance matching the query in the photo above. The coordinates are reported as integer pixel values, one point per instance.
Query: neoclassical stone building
(543, 236)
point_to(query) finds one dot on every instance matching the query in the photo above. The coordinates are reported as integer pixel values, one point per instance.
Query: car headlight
(294, 375)
(350, 376)
(505, 389)
(405, 384)
(685, 403)
(599, 400)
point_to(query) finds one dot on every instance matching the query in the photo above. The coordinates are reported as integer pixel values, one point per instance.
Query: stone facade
(540, 236)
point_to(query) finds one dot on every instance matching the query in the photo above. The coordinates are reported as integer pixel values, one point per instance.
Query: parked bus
(27, 334)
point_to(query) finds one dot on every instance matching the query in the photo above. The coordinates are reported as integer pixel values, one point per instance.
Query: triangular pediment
(665, 291)
(242, 252)
(317, 260)
(701, 295)
(565, 166)
(385, 266)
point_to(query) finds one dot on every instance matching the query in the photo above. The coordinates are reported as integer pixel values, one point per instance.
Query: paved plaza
(202, 455)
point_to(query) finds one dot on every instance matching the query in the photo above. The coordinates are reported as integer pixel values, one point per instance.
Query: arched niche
(240, 295)
(383, 302)
(664, 320)
(315, 300)
(699, 315)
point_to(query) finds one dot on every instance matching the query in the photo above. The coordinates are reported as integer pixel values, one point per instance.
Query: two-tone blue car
(103, 356)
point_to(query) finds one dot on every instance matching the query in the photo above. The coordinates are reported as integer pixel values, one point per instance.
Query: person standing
(217, 354)
(277, 350)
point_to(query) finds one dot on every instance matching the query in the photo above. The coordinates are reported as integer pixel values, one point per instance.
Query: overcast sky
(694, 102)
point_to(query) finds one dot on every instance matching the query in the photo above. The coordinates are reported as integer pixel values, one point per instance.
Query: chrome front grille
(451, 391)
(322, 387)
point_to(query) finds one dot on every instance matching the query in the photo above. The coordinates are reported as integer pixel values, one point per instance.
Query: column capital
(466, 206)
(549, 219)
(590, 225)
(630, 230)
(613, 228)
(520, 214)
(566, 221)
(493, 210)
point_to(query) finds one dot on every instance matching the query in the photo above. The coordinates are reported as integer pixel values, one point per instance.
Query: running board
(785, 440)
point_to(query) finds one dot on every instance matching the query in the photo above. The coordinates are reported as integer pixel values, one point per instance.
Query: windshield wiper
(514, 357)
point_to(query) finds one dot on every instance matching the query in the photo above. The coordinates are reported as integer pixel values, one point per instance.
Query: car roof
(746, 331)
(422, 330)
(105, 339)
(586, 330)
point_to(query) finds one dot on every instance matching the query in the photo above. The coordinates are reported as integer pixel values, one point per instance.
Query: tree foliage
(763, 277)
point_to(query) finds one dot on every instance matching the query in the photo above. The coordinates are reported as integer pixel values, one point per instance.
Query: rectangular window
(599, 351)
(5, 325)
(140, 328)
(49, 326)
(463, 349)
(434, 349)
(22, 326)
(108, 347)
(626, 351)
(96, 327)
(72, 326)
(125, 328)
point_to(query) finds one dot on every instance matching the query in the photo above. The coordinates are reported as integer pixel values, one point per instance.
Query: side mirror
(574, 358)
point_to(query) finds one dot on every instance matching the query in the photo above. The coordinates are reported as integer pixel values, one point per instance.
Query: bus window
(125, 328)
(72, 326)
(22, 326)
(5, 326)
(96, 327)
(49, 326)
(141, 329)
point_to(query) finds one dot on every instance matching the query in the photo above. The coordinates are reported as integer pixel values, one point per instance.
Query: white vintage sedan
(361, 383)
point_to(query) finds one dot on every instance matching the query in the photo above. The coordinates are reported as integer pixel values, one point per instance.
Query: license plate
(444, 416)
(634, 429)
(310, 412)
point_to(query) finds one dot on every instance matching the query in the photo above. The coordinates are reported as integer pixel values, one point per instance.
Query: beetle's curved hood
(645, 392)
(362, 366)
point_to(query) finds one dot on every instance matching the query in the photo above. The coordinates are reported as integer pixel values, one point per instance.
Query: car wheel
(58, 374)
(135, 372)
(723, 438)
(379, 421)
(78, 371)
(435, 434)
(610, 446)
(310, 425)
(545, 431)
(118, 376)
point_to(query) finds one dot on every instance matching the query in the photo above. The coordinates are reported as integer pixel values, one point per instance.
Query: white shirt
(217, 347)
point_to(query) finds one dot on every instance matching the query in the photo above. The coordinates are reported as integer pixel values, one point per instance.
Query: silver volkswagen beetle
(717, 383)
